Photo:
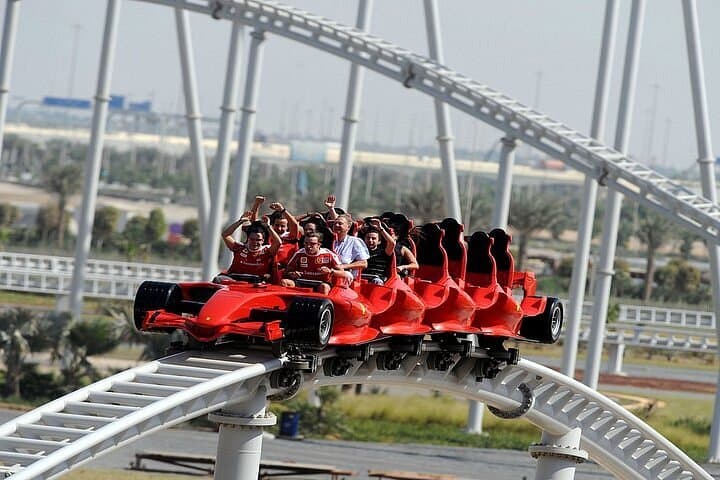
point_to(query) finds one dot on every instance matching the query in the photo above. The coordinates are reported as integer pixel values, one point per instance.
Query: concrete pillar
(7, 51)
(616, 352)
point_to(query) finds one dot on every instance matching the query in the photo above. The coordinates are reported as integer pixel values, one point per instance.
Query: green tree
(133, 237)
(155, 345)
(9, 214)
(104, 225)
(46, 222)
(678, 281)
(155, 227)
(654, 231)
(20, 334)
(64, 181)
(530, 212)
(425, 204)
(81, 340)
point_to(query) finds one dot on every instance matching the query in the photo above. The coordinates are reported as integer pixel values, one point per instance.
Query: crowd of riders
(329, 247)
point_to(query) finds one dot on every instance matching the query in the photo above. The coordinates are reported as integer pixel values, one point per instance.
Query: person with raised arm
(254, 257)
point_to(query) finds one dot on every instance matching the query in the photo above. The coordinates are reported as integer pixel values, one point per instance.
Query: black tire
(309, 322)
(155, 296)
(546, 327)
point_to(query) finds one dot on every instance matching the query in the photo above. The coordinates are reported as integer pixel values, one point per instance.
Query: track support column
(240, 440)
(558, 455)
(94, 158)
(222, 156)
(589, 197)
(352, 108)
(616, 352)
(7, 51)
(501, 212)
(241, 168)
(442, 117)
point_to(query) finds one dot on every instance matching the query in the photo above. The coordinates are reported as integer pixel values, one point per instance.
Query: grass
(441, 419)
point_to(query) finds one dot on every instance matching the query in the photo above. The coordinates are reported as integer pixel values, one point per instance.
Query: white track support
(501, 212)
(578, 281)
(442, 117)
(605, 271)
(616, 352)
(222, 156)
(192, 113)
(94, 157)
(83, 425)
(578, 151)
(558, 455)
(241, 169)
(240, 440)
(113, 412)
(7, 51)
(707, 176)
(613, 437)
(352, 111)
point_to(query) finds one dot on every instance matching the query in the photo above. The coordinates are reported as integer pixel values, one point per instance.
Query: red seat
(455, 248)
(500, 250)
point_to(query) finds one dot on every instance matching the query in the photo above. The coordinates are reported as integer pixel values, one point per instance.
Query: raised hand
(330, 202)
(276, 206)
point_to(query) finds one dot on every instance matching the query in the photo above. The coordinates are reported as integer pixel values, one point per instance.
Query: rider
(380, 258)
(253, 257)
(287, 227)
(314, 263)
(352, 250)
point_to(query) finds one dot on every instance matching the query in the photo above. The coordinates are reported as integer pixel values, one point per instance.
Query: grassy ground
(440, 419)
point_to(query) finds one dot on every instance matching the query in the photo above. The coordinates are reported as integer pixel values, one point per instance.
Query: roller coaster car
(490, 281)
(244, 306)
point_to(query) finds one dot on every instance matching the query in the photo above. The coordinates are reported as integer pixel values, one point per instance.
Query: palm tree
(19, 335)
(154, 345)
(654, 231)
(530, 212)
(65, 181)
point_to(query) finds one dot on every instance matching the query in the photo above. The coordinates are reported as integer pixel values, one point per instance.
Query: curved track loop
(579, 151)
(613, 437)
(94, 420)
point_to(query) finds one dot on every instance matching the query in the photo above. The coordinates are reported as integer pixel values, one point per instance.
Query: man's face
(280, 226)
(310, 228)
(372, 240)
(255, 241)
(341, 226)
(312, 245)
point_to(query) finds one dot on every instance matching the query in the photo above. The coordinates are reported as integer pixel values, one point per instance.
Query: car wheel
(154, 296)
(310, 321)
(546, 327)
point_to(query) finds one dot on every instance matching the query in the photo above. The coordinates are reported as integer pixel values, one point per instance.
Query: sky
(543, 53)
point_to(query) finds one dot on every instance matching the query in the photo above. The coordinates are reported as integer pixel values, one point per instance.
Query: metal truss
(96, 419)
(587, 155)
(613, 437)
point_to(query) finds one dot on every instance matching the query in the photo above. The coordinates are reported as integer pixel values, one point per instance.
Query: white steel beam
(578, 151)
(611, 220)
(7, 52)
(94, 157)
(578, 280)
(442, 117)
(222, 156)
(707, 176)
(192, 113)
(241, 169)
(352, 111)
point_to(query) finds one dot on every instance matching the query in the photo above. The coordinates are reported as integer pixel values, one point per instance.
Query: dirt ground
(672, 385)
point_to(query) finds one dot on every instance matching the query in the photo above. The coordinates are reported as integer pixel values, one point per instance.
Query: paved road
(465, 463)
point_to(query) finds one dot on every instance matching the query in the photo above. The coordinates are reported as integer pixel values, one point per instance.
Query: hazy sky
(537, 51)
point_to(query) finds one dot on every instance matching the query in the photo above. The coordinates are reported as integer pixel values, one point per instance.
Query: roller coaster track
(94, 420)
(579, 151)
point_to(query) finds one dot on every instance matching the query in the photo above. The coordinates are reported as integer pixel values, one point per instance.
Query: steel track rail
(108, 414)
(614, 438)
(585, 154)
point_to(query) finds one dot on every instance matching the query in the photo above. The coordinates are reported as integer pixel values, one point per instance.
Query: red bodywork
(457, 289)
